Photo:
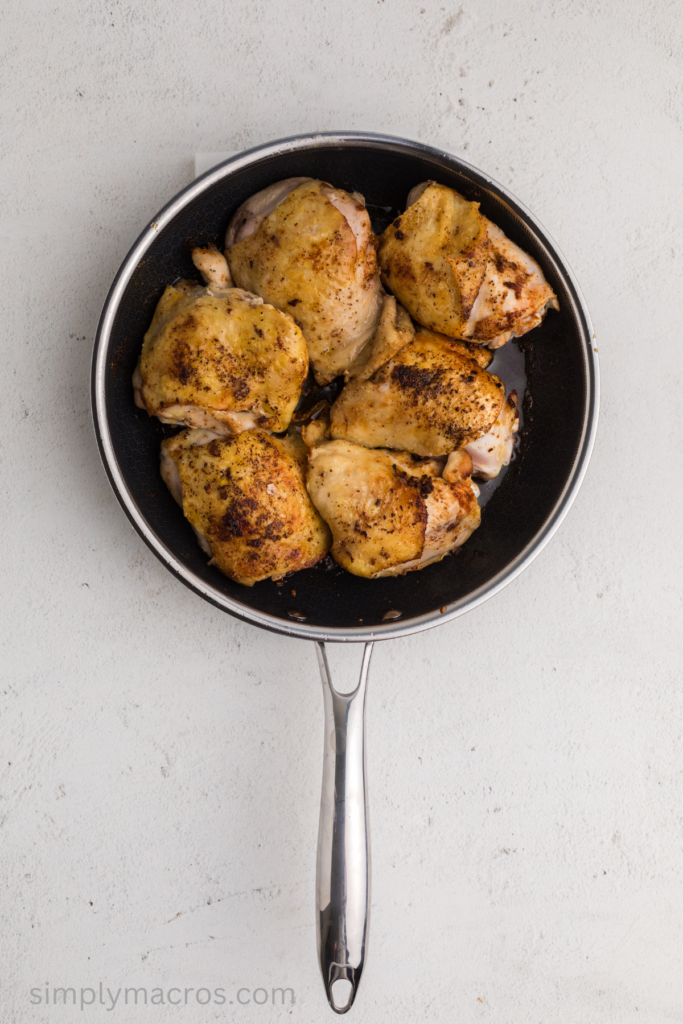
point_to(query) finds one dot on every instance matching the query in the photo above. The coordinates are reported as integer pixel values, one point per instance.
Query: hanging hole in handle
(341, 993)
(341, 987)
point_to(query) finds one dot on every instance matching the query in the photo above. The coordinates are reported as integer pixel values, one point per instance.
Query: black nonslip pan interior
(331, 604)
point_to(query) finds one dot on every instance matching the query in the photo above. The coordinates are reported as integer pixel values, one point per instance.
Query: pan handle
(343, 866)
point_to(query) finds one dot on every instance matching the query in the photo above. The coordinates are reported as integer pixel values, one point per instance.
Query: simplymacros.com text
(46, 995)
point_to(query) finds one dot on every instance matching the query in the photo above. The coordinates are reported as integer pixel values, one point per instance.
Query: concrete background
(161, 762)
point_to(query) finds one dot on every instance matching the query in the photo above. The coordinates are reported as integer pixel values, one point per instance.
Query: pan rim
(301, 630)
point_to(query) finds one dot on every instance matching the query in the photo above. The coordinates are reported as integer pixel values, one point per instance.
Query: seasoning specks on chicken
(246, 500)
(313, 254)
(388, 513)
(219, 358)
(456, 272)
(430, 399)
(493, 450)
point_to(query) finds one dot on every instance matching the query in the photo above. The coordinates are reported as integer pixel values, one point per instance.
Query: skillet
(560, 414)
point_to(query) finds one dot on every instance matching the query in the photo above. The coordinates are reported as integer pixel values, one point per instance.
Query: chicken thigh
(308, 249)
(388, 513)
(246, 500)
(456, 272)
(220, 358)
(431, 398)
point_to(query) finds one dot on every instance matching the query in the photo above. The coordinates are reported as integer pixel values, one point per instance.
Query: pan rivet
(393, 614)
(297, 615)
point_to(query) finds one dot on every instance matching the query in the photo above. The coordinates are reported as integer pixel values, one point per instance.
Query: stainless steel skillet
(561, 411)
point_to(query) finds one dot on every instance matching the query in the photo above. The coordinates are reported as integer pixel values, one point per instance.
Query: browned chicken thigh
(308, 249)
(431, 398)
(220, 358)
(246, 500)
(456, 272)
(389, 513)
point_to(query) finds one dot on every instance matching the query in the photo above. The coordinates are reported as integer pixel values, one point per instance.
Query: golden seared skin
(388, 513)
(314, 256)
(457, 273)
(220, 358)
(245, 498)
(430, 399)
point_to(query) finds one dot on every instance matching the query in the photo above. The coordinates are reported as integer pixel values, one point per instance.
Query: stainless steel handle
(343, 866)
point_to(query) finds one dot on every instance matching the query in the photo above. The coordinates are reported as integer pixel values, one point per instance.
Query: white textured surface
(159, 795)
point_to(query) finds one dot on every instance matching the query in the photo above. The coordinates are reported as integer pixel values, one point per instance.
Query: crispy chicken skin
(246, 500)
(314, 256)
(220, 358)
(430, 399)
(388, 513)
(457, 273)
